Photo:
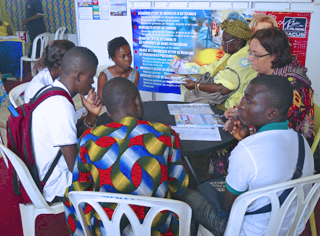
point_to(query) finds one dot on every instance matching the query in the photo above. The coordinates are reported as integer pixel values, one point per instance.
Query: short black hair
(78, 59)
(115, 44)
(279, 89)
(276, 42)
(119, 93)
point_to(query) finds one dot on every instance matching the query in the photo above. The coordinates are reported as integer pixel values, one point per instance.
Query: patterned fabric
(301, 112)
(132, 157)
(237, 28)
(56, 14)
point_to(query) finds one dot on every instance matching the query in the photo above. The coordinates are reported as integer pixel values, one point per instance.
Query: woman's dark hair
(276, 42)
(53, 53)
(115, 44)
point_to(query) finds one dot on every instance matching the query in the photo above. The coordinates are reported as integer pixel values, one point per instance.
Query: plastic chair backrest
(112, 227)
(44, 39)
(305, 203)
(25, 178)
(14, 94)
(59, 34)
(3, 126)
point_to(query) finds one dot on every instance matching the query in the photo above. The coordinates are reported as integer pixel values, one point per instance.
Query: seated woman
(120, 53)
(49, 66)
(5, 29)
(233, 72)
(270, 54)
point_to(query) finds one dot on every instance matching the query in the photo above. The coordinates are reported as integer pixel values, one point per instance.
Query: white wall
(96, 34)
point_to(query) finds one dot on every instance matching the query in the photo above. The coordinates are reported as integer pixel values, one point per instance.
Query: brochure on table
(196, 121)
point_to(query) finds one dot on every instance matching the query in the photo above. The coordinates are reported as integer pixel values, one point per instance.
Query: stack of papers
(196, 121)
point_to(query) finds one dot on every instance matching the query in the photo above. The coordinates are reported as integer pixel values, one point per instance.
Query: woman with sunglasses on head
(233, 71)
(270, 54)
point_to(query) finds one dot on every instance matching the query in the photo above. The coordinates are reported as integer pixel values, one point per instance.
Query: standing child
(120, 53)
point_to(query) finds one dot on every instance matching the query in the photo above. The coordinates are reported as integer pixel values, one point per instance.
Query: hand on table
(189, 84)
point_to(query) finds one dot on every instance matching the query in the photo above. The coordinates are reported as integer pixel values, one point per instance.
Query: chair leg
(28, 219)
(21, 69)
(313, 225)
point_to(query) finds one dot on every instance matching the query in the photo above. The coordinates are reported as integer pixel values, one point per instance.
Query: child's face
(123, 57)
(254, 108)
(85, 81)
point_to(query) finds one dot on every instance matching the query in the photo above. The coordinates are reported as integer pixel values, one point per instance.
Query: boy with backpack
(54, 122)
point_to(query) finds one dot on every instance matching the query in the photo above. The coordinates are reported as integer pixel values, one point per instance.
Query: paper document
(190, 108)
(180, 67)
(198, 133)
(202, 120)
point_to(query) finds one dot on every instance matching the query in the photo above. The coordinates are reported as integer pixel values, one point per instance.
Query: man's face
(86, 79)
(254, 107)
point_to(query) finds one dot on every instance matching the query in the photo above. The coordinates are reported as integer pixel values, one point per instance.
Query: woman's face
(123, 57)
(261, 60)
(262, 25)
(229, 43)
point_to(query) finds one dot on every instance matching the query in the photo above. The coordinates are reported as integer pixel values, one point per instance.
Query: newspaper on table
(196, 121)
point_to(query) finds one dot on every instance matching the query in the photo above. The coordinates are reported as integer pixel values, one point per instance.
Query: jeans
(203, 213)
(33, 35)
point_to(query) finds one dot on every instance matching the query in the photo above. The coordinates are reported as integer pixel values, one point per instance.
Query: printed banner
(194, 36)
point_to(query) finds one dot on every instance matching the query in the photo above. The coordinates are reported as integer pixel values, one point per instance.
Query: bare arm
(136, 80)
(70, 153)
(209, 88)
(228, 200)
(32, 18)
(102, 80)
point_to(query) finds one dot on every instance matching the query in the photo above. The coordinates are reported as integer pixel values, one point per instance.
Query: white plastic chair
(14, 94)
(44, 39)
(305, 203)
(60, 33)
(112, 227)
(3, 126)
(39, 205)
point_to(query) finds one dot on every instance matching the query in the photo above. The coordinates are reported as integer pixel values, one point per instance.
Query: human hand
(93, 103)
(25, 21)
(189, 84)
(237, 129)
(230, 113)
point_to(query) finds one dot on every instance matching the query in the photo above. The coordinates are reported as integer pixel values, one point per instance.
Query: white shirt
(263, 159)
(53, 125)
(43, 78)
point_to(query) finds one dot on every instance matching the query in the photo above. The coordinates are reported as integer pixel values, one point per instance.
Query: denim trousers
(204, 214)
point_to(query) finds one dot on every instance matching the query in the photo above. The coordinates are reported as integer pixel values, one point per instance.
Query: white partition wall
(95, 34)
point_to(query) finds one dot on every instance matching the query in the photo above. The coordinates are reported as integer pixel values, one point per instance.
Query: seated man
(54, 121)
(129, 156)
(265, 158)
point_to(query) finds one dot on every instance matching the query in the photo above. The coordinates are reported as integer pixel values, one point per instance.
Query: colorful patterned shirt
(301, 112)
(129, 156)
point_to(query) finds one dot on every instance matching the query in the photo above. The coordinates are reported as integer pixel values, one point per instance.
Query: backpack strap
(39, 97)
(297, 174)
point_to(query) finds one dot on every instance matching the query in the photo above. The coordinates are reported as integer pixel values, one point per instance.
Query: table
(11, 50)
(157, 111)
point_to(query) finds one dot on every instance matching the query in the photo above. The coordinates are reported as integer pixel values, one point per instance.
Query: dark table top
(157, 111)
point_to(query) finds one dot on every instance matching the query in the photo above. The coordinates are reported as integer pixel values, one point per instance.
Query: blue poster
(160, 35)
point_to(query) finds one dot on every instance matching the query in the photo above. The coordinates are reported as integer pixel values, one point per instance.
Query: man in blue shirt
(34, 22)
